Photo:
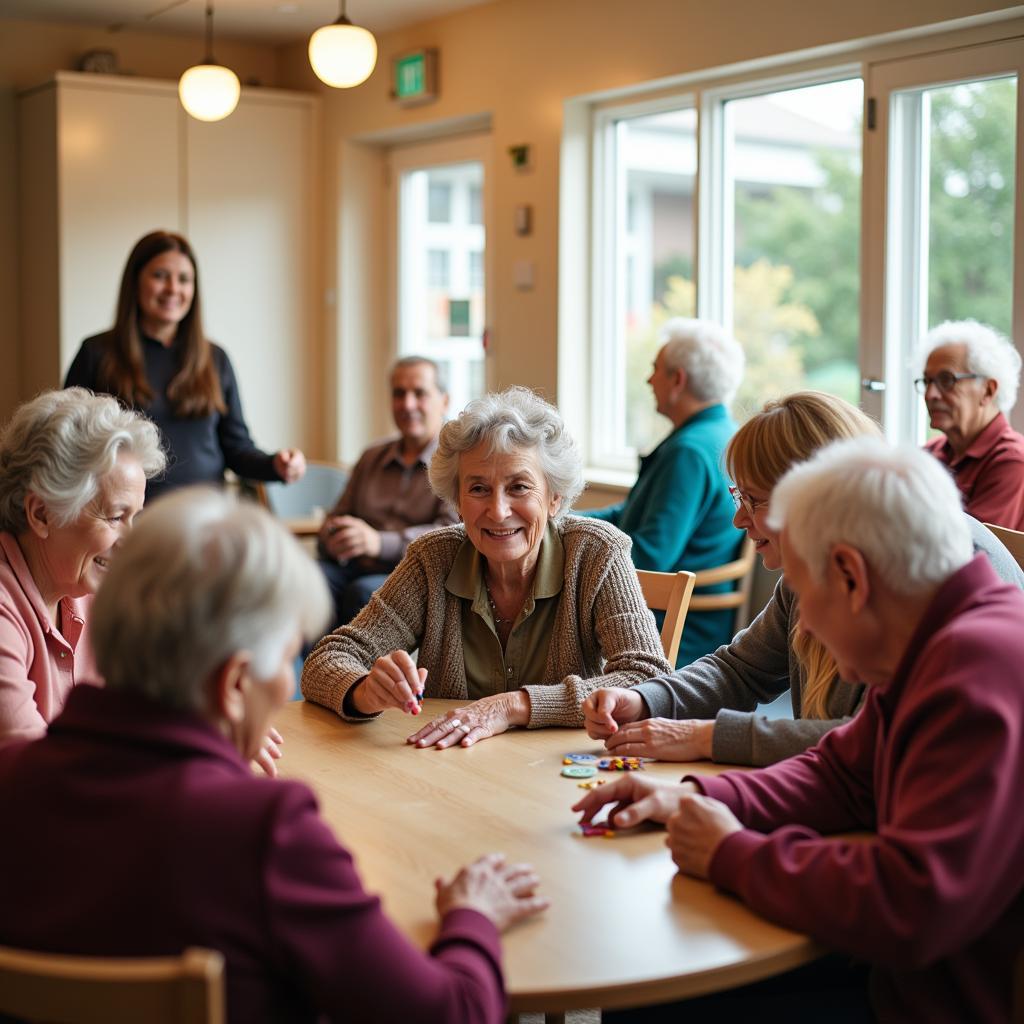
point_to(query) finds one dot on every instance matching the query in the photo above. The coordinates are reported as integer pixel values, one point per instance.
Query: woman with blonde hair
(707, 709)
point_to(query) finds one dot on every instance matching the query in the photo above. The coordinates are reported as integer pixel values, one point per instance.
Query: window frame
(583, 328)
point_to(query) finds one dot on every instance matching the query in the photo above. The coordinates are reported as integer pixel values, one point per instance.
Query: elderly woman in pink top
(73, 471)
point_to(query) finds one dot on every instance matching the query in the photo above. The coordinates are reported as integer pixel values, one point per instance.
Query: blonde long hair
(788, 431)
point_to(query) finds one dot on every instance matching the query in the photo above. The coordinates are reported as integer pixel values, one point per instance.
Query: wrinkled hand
(637, 798)
(664, 739)
(349, 537)
(485, 717)
(504, 893)
(608, 708)
(290, 465)
(695, 831)
(393, 682)
(270, 752)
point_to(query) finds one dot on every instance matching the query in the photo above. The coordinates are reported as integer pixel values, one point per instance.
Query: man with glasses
(969, 384)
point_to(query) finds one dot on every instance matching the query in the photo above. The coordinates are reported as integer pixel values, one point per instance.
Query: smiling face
(967, 407)
(505, 503)
(166, 288)
(752, 515)
(78, 555)
(418, 405)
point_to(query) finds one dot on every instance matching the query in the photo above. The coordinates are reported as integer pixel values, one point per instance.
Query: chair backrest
(742, 569)
(1012, 540)
(670, 592)
(320, 488)
(61, 989)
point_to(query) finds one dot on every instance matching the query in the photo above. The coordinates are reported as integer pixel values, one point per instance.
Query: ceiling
(267, 21)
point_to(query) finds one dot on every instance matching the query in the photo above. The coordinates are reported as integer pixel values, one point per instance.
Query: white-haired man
(970, 383)
(876, 547)
(679, 513)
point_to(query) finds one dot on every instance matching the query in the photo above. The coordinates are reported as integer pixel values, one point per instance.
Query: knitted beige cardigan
(603, 633)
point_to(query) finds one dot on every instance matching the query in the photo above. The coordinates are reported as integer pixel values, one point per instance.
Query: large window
(785, 164)
(826, 245)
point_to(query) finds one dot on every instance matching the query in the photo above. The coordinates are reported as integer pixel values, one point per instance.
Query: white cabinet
(104, 160)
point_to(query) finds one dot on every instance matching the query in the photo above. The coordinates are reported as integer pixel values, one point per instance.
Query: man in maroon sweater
(876, 549)
(969, 385)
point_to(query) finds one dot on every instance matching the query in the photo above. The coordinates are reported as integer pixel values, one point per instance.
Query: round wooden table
(623, 928)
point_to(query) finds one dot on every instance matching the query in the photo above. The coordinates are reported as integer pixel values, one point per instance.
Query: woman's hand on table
(695, 831)
(664, 739)
(270, 752)
(485, 717)
(290, 465)
(637, 798)
(608, 708)
(503, 893)
(393, 682)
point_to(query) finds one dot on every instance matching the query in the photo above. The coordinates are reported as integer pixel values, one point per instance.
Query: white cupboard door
(120, 167)
(249, 215)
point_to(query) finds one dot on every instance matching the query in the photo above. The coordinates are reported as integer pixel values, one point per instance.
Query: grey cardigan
(758, 666)
(603, 633)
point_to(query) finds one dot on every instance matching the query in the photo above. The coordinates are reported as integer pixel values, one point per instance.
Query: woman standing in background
(156, 359)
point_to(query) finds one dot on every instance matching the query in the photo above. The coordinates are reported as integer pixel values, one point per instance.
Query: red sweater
(990, 474)
(132, 830)
(933, 766)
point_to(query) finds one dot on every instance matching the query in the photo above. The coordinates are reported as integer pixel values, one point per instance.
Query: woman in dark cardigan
(156, 359)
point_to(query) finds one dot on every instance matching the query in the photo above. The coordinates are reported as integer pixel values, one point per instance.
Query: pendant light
(342, 54)
(209, 91)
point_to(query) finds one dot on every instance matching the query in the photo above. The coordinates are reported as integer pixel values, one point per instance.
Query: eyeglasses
(944, 380)
(745, 501)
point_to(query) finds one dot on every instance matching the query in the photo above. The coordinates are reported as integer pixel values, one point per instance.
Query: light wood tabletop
(623, 928)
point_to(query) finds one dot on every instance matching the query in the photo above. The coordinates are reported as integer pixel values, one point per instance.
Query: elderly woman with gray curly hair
(522, 609)
(73, 471)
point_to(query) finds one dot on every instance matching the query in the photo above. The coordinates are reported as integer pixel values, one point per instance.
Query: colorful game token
(620, 764)
(580, 759)
(592, 830)
(592, 784)
(579, 771)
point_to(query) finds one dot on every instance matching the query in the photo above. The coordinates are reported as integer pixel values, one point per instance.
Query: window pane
(656, 158)
(437, 268)
(795, 160)
(439, 203)
(971, 147)
(441, 282)
(476, 213)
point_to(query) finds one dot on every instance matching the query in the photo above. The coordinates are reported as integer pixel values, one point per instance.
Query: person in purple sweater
(140, 829)
(876, 547)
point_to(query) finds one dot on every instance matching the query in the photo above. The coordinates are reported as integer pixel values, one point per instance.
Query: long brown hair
(788, 431)
(195, 389)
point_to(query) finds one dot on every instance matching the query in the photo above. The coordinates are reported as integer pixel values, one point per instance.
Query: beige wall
(30, 52)
(518, 61)
(513, 61)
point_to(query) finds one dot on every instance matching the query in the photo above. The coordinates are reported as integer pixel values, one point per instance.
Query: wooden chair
(743, 570)
(1012, 540)
(670, 592)
(302, 504)
(94, 990)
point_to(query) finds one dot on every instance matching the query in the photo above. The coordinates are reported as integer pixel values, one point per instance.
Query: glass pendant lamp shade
(342, 55)
(209, 92)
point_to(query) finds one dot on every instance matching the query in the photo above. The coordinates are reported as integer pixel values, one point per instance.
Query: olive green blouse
(489, 669)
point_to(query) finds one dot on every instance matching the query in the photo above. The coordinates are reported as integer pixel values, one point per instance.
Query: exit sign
(414, 77)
